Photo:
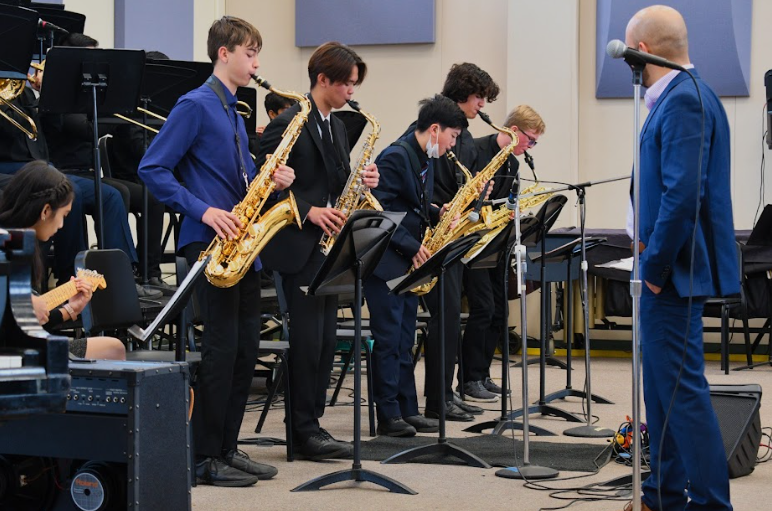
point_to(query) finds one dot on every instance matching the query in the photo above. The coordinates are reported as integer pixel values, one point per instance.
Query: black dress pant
(452, 321)
(312, 339)
(485, 295)
(155, 225)
(228, 356)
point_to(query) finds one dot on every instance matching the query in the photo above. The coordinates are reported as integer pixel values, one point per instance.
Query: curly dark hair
(466, 79)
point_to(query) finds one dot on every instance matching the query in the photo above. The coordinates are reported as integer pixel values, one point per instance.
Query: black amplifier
(123, 443)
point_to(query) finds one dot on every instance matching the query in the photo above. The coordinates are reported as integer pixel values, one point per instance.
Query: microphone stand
(526, 471)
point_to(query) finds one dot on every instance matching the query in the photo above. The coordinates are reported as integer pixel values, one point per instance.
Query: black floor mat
(497, 450)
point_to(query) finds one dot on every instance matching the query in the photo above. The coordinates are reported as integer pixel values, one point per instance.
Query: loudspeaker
(123, 443)
(737, 410)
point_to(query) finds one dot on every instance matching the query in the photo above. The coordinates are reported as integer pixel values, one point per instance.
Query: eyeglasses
(531, 141)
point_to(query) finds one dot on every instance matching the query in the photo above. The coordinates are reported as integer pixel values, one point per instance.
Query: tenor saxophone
(355, 194)
(446, 232)
(232, 259)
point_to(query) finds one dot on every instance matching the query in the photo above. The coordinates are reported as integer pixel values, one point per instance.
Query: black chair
(730, 307)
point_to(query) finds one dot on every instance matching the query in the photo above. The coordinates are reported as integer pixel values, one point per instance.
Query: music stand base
(444, 448)
(624, 480)
(589, 432)
(546, 410)
(355, 474)
(550, 361)
(562, 394)
(527, 472)
(500, 426)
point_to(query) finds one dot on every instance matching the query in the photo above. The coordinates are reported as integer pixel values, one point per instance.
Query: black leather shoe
(216, 472)
(468, 408)
(157, 284)
(240, 460)
(422, 424)
(321, 447)
(452, 413)
(395, 426)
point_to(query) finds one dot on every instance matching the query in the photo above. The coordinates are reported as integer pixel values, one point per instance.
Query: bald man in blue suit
(682, 264)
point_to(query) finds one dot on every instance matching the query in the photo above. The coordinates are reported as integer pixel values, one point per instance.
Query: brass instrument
(445, 232)
(232, 259)
(355, 194)
(245, 113)
(10, 90)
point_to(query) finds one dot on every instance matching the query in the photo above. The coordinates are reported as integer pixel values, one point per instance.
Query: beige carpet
(460, 487)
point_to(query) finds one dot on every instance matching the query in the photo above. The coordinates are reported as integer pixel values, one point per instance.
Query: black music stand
(436, 266)
(17, 35)
(355, 254)
(568, 252)
(92, 81)
(491, 257)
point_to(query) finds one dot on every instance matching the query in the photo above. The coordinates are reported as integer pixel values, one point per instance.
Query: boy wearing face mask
(407, 172)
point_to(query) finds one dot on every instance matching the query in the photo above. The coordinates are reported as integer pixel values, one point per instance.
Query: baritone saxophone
(355, 194)
(233, 258)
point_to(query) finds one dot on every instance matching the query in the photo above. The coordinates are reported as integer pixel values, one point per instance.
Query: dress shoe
(476, 391)
(492, 387)
(157, 284)
(422, 424)
(629, 507)
(148, 292)
(217, 472)
(452, 413)
(322, 447)
(395, 426)
(240, 460)
(468, 408)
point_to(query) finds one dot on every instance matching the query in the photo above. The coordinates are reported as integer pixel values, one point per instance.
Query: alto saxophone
(445, 232)
(232, 259)
(355, 194)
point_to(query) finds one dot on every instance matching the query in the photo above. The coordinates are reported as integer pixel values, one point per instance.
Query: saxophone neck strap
(216, 85)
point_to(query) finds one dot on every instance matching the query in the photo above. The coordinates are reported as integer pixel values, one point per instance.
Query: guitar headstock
(96, 280)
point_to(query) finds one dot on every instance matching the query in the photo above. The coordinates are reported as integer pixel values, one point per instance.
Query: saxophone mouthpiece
(485, 117)
(353, 104)
(261, 82)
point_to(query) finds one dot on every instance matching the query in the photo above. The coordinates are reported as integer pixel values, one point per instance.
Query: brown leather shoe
(629, 507)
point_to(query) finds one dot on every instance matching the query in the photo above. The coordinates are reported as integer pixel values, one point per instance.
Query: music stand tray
(175, 306)
(355, 254)
(436, 266)
(18, 27)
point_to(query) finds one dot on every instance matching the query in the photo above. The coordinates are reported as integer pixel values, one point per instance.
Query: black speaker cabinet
(737, 409)
(123, 443)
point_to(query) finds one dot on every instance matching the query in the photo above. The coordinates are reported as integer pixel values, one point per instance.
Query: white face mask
(433, 150)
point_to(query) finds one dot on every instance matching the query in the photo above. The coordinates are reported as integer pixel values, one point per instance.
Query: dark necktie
(329, 149)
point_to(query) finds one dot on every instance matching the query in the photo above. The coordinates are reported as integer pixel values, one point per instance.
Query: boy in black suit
(406, 185)
(320, 158)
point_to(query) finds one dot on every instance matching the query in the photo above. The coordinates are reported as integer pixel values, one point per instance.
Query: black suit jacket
(401, 189)
(317, 181)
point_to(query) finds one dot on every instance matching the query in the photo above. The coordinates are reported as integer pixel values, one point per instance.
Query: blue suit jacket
(400, 189)
(670, 147)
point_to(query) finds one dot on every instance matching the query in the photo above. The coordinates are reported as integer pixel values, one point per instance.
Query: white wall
(99, 19)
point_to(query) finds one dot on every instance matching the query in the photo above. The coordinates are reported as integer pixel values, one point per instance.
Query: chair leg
(747, 336)
(370, 398)
(419, 347)
(287, 405)
(271, 394)
(344, 371)
(725, 339)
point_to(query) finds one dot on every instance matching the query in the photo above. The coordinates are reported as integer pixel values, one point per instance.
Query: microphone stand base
(527, 472)
(590, 432)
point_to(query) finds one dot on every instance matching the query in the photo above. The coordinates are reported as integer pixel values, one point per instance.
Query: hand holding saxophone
(283, 176)
(421, 256)
(224, 223)
(330, 220)
(370, 176)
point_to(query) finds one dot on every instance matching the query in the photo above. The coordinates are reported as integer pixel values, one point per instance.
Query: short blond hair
(526, 118)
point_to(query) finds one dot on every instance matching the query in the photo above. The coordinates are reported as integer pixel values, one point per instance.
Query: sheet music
(618, 264)
(10, 362)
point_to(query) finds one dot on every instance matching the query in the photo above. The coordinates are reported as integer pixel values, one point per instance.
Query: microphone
(45, 25)
(511, 202)
(474, 216)
(529, 161)
(617, 49)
